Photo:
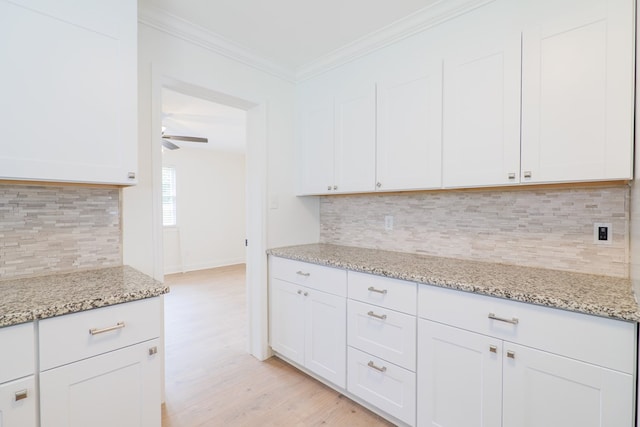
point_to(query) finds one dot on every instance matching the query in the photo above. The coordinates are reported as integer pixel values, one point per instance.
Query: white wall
(210, 210)
(295, 221)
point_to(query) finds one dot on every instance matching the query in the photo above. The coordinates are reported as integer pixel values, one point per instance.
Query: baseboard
(203, 266)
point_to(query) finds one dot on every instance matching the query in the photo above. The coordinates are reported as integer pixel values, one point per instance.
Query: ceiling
(291, 33)
(186, 115)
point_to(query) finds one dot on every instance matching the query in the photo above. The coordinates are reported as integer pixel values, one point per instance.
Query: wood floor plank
(211, 380)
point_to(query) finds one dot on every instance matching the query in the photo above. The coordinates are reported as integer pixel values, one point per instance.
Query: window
(169, 196)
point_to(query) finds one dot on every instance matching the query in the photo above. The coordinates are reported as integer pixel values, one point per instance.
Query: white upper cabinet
(69, 91)
(577, 92)
(409, 125)
(355, 140)
(481, 124)
(315, 138)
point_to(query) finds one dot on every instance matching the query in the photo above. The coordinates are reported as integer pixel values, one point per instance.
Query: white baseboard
(171, 269)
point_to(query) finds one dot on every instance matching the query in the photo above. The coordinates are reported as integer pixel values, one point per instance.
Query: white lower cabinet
(101, 367)
(18, 403)
(120, 388)
(308, 327)
(476, 374)
(459, 377)
(544, 389)
(382, 384)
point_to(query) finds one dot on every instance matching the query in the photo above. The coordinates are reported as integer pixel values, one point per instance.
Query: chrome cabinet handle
(301, 273)
(377, 368)
(299, 292)
(328, 187)
(493, 349)
(335, 187)
(527, 174)
(95, 331)
(511, 354)
(378, 184)
(512, 175)
(306, 294)
(380, 291)
(153, 350)
(377, 316)
(513, 320)
(21, 395)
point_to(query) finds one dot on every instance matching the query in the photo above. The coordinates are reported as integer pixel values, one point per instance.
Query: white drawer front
(67, 338)
(17, 354)
(605, 342)
(326, 279)
(385, 333)
(382, 384)
(395, 294)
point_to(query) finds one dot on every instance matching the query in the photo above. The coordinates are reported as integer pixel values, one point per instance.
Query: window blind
(169, 196)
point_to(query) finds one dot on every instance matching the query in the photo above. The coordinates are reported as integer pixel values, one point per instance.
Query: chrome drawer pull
(513, 320)
(493, 349)
(380, 291)
(303, 274)
(511, 354)
(153, 350)
(377, 368)
(96, 331)
(377, 316)
(21, 395)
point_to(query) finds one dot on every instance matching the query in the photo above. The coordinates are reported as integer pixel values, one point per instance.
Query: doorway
(255, 190)
(203, 183)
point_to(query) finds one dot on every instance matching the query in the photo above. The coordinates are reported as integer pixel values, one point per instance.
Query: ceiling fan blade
(169, 145)
(185, 138)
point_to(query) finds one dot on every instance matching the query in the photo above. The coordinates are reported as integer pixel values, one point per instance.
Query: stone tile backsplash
(53, 229)
(549, 228)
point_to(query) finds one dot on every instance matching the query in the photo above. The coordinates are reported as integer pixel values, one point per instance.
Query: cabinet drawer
(395, 294)
(382, 384)
(326, 279)
(17, 355)
(605, 342)
(68, 338)
(385, 333)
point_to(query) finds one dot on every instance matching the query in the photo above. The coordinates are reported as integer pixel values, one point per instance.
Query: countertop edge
(497, 292)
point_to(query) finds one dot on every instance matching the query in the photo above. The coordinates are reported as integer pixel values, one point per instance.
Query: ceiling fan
(171, 146)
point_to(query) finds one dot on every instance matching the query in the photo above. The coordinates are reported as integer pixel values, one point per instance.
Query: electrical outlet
(388, 223)
(602, 233)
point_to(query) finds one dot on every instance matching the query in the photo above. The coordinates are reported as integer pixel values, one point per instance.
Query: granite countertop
(26, 299)
(585, 293)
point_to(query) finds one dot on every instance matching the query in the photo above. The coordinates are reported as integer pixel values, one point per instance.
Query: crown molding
(175, 26)
(423, 19)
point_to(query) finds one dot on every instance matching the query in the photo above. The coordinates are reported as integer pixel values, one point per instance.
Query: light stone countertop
(584, 293)
(23, 300)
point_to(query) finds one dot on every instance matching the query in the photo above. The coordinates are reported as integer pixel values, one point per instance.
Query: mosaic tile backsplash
(47, 230)
(549, 228)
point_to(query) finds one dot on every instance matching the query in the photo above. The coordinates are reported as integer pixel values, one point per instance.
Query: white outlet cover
(596, 226)
(388, 223)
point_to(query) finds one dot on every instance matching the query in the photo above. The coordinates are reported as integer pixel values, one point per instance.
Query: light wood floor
(212, 381)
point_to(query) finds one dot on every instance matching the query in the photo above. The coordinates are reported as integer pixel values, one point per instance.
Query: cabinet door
(459, 377)
(481, 117)
(355, 141)
(69, 90)
(577, 93)
(287, 319)
(316, 138)
(409, 143)
(120, 388)
(545, 390)
(18, 403)
(325, 335)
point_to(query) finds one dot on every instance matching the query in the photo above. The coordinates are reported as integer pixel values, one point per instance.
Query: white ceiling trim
(421, 20)
(173, 25)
